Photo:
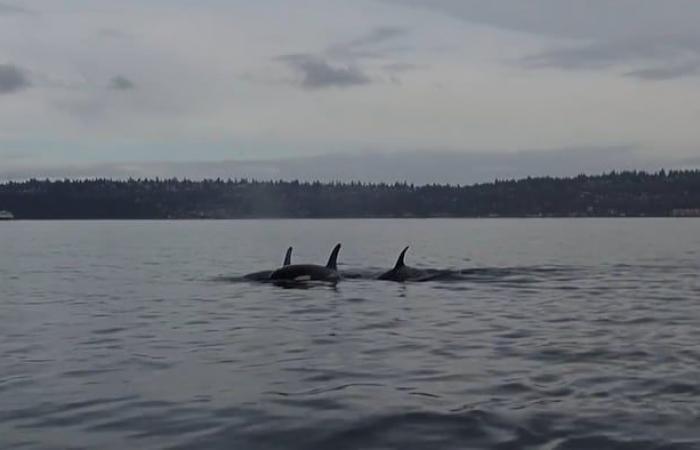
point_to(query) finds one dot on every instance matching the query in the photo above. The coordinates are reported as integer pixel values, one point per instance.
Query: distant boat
(6, 215)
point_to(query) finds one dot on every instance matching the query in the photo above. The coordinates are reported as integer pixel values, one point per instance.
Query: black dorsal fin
(333, 260)
(288, 257)
(399, 261)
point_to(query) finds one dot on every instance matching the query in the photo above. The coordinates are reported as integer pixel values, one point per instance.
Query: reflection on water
(551, 334)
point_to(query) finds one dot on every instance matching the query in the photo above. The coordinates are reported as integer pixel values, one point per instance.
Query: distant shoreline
(243, 219)
(614, 195)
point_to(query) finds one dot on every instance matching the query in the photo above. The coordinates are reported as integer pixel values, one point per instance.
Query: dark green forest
(615, 194)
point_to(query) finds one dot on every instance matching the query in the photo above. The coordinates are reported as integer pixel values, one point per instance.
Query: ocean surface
(541, 334)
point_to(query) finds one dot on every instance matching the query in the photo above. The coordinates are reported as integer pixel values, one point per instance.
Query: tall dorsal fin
(333, 260)
(288, 257)
(399, 261)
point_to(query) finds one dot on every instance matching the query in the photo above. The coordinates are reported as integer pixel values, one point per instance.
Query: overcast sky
(424, 90)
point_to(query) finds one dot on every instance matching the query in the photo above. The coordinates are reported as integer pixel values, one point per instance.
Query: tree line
(628, 193)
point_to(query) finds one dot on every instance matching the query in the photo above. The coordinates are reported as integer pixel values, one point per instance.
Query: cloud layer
(414, 167)
(12, 79)
(660, 38)
(12, 9)
(100, 84)
(659, 57)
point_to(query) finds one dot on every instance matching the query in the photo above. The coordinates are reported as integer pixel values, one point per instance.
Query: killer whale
(401, 272)
(309, 272)
(264, 275)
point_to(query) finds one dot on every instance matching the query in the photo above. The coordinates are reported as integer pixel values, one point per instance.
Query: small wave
(324, 390)
(515, 275)
(419, 429)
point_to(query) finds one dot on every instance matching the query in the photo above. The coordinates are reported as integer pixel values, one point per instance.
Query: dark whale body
(264, 275)
(309, 272)
(401, 272)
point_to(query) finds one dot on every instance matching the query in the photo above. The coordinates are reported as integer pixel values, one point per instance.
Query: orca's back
(299, 271)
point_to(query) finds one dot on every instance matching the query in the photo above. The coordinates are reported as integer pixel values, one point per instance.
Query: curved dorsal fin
(399, 261)
(288, 257)
(333, 259)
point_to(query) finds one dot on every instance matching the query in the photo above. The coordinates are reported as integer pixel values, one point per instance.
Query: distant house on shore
(6, 215)
(687, 212)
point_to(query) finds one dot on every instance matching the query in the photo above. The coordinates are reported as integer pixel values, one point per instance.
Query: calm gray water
(548, 334)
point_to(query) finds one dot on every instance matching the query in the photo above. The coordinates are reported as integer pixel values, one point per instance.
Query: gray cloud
(415, 167)
(660, 38)
(604, 54)
(121, 83)
(691, 162)
(591, 19)
(12, 79)
(12, 9)
(667, 73)
(377, 35)
(318, 73)
(366, 46)
(660, 57)
(339, 65)
(401, 67)
(423, 167)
